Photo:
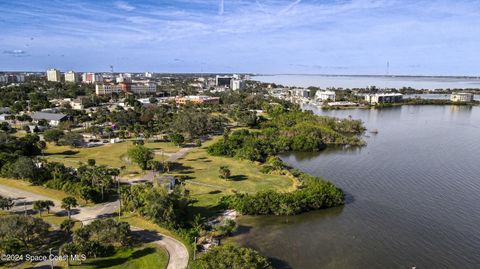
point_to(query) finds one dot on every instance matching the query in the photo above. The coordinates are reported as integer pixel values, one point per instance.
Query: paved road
(176, 250)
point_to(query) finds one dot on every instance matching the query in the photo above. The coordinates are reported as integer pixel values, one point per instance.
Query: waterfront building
(384, 98)
(197, 99)
(223, 80)
(71, 76)
(12, 78)
(461, 97)
(237, 84)
(325, 96)
(54, 75)
(300, 92)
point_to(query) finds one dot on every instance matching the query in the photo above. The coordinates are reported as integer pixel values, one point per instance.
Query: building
(325, 96)
(300, 92)
(52, 118)
(91, 78)
(461, 97)
(106, 89)
(197, 99)
(384, 98)
(148, 74)
(223, 81)
(71, 76)
(142, 88)
(54, 75)
(12, 78)
(135, 88)
(237, 84)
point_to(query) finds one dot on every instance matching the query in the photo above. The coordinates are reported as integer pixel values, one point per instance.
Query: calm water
(325, 81)
(413, 196)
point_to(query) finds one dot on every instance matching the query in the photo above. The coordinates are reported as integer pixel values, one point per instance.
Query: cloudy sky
(263, 36)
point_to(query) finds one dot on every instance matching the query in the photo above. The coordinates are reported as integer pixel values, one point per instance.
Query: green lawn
(205, 185)
(40, 190)
(146, 256)
(114, 155)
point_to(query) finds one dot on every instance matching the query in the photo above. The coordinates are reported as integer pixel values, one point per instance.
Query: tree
(224, 172)
(223, 257)
(20, 233)
(177, 139)
(6, 203)
(41, 205)
(67, 226)
(68, 203)
(53, 135)
(140, 155)
(42, 145)
(24, 168)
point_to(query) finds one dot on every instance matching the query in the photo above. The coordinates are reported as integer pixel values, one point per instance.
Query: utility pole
(119, 198)
(25, 207)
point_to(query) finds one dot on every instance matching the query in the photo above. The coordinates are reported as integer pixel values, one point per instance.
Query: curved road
(178, 253)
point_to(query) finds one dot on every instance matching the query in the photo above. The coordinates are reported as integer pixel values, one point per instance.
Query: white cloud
(124, 6)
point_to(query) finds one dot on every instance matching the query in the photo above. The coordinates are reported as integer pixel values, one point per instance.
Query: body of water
(326, 81)
(413, 196)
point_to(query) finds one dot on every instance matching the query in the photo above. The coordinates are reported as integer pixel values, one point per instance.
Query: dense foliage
(99, 238)
(288, 131)
(157, 204)
(315, 194)
(226, 257)
(21, 234)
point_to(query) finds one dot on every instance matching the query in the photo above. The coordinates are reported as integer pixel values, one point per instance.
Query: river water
(413, 196)
(326, 81)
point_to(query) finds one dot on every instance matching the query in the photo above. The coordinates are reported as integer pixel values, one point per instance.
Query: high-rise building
(237, 84)
(71, 76)
(54, 75)
(91, 78)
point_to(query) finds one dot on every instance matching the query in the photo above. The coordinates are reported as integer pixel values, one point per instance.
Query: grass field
(114, 155)
(26, 186)
(146, 256)
(205, 185)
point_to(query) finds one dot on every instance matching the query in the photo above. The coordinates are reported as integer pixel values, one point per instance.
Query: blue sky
(262, 36)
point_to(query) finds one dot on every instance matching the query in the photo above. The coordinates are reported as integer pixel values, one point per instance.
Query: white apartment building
(461, 97)
(54, 75)
(237, 84)
(325, 96)
(71, 76)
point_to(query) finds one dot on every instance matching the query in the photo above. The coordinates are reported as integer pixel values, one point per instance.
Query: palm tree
(67, 225)
(68, 203)
(47, 204)
(224, 172)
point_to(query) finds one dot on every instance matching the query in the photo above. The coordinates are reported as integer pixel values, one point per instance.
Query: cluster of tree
(191, 121)
(420, 101)
(22, 234)
(157, 204)
(91, 182)
(315, 194)
(98, 239)
(291, 130)
(62, 138)
(228, 256)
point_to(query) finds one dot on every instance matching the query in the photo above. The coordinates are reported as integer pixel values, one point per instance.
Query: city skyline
(314, 37)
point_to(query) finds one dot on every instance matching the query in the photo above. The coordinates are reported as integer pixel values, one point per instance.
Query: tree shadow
(215, 192)
(66, 152)
(238, 178)
(279, 264)
(180, 168)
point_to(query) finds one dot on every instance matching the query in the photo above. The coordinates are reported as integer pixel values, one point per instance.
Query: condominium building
(383, 98)
(461, 97)
(71, 76)
(237, 84)
(54, 75)
(143, 88)
(325, 96)
(135, 88)
(91, 78)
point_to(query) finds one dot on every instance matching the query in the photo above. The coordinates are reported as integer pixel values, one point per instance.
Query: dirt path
(176, 250)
